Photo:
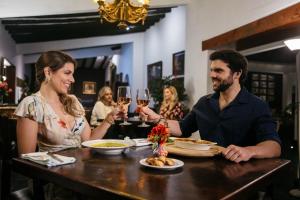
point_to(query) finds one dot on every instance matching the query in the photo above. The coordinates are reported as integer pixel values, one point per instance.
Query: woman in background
(171, 108)
(103, 106)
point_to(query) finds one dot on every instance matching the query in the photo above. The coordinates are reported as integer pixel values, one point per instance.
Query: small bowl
(186, 143)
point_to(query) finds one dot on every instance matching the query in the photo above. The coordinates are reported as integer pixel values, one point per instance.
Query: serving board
(172, 149)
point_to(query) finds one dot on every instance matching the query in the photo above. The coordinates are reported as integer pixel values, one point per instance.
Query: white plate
(106, 150)
(178, 163)
(192, 145)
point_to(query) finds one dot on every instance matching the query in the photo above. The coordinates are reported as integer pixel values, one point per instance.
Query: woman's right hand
(114, 104)
(146, 111)
(119, 112)
(112, 116)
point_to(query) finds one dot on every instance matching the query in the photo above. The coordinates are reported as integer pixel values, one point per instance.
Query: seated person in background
(103, 106)
(51, 118)
(170, 107)
(232, 117)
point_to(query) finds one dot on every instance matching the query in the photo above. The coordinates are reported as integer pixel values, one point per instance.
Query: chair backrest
(8, 138)
(8, 150)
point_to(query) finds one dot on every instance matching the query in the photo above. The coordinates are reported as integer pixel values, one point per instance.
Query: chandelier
(123, 11)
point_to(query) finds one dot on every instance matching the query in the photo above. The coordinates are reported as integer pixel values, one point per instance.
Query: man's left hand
(237, 154)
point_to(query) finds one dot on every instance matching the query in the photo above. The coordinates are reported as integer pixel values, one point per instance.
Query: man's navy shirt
(245, 121)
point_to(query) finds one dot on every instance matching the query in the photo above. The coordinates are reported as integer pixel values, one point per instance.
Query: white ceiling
(19, 8)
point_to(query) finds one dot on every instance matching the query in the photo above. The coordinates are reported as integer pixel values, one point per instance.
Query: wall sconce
(3, 66)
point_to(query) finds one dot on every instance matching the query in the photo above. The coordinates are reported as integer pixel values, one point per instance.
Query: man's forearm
(266, 149)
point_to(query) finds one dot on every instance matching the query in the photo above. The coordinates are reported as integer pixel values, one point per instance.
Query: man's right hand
(146, 111)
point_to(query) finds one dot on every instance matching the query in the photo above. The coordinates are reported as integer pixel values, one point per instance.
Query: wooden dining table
(122, 176)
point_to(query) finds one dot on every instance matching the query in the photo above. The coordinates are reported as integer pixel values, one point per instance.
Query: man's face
(221, 75)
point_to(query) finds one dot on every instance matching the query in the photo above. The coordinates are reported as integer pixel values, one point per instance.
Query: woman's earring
(47, 79)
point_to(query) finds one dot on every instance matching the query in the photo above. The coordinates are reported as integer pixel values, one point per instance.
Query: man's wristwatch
(163, 121)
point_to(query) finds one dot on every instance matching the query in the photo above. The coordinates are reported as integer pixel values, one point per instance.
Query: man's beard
(224, 85)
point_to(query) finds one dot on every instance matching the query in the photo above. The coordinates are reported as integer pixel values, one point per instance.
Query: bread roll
(169, 162)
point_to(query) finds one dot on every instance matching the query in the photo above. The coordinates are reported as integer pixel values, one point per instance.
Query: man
(232, 117)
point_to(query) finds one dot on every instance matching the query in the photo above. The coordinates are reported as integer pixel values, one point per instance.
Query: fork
(55, 157)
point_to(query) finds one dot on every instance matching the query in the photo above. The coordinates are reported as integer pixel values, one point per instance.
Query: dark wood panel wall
(87, 74)
(11, 81)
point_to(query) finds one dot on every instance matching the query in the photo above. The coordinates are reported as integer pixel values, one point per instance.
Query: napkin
(137, 142)
(44, 158)
(141, 142)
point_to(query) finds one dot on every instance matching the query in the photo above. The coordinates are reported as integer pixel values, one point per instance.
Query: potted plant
(4, 90)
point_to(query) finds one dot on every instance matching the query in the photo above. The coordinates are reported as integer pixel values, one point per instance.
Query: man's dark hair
(236, 61)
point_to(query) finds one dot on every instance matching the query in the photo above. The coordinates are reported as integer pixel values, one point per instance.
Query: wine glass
(142, 99)
(124, 99)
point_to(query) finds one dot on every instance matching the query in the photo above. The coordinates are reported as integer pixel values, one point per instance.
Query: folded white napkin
(44, 158)
(137, 142)
(141, 142)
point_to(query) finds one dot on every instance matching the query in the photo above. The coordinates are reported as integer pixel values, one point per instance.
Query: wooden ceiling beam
(285, 18)
(73, 26)
(151, 11)
(159, 10)
(58, 21)
(268, 37)
(103, 62)
(70, 32)
(92, 63)
(18, 22)
(64, 36)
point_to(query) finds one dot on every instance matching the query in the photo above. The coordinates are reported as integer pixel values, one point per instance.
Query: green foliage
(156, 88)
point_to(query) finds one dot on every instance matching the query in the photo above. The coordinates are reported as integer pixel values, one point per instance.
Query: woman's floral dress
(176, 113)
(53, 134)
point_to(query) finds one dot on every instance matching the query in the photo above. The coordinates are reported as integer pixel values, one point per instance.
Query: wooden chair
(8, 150)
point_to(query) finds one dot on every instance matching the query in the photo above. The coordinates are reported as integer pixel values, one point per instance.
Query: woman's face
(167, 94)
(107, 96)
(62, 79)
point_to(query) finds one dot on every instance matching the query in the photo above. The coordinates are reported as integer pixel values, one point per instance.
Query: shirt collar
(242, 97)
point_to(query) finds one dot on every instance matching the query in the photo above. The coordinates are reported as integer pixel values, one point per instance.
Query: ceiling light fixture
(123, 11)
(293, 44)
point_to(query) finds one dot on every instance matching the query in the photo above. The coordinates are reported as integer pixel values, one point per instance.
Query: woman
(170, 107)
(103, 106)
(51, 118)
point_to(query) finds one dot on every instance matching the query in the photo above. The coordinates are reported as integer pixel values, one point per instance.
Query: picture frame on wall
(178, 63)
(154, 71)
(88, 87)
